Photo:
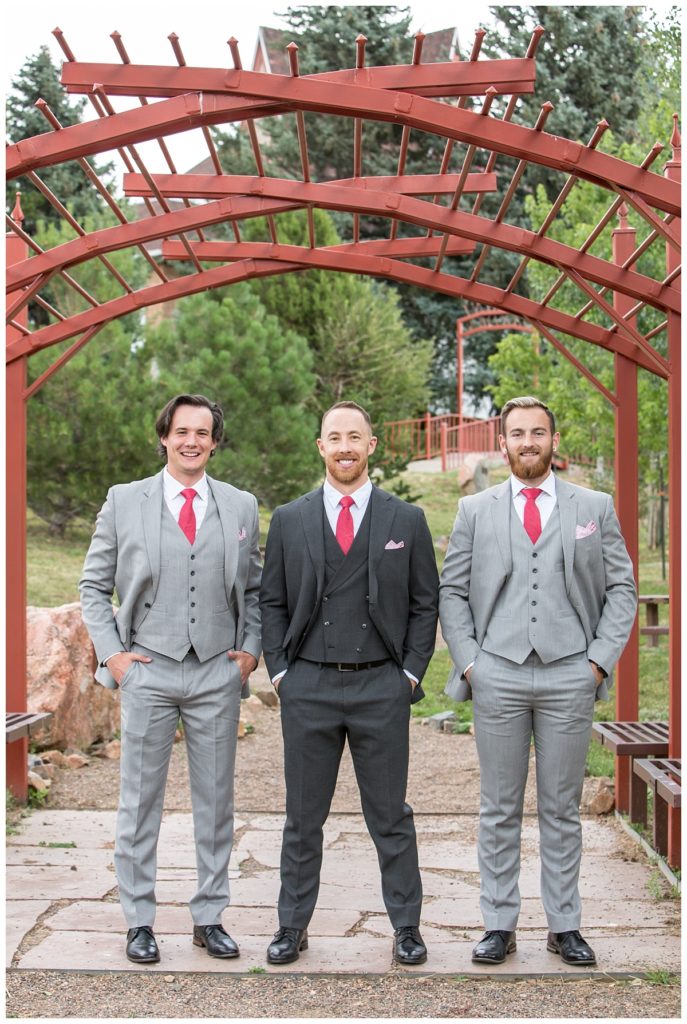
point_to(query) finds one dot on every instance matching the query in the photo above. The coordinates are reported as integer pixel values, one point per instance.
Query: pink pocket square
(242, 533)
(394, 545)
(585, 531)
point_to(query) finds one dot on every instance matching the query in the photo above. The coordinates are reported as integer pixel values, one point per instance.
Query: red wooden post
(459, 374)
(673, 170)
(428, 436)
(444, 446)
(15, 525)
(627, 505)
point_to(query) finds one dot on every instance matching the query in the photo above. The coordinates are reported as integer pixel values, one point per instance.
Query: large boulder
(473, 473)
(60, 667)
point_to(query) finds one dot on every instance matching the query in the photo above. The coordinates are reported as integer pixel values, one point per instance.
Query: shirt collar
(360, 497)
(173, 488)
(548, 485)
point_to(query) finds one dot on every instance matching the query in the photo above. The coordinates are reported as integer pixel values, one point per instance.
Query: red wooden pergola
(451, 102)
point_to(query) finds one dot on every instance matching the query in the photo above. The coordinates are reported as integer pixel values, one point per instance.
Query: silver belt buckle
(341, 668)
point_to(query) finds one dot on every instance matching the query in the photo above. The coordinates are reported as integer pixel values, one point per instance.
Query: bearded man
(349, 603)
(537, 600)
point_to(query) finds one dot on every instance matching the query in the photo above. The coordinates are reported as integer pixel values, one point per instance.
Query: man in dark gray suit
(349, 610)
(537, 603)
(181, 550)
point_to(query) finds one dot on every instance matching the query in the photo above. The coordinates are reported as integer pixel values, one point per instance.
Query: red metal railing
(429, 437)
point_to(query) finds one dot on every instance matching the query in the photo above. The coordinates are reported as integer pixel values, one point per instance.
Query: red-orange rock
(60, 668)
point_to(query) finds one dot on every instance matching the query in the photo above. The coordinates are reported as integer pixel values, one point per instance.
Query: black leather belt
(347, 666)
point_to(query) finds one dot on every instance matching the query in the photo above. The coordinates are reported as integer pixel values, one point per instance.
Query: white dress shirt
(175, 502)
(332, 497)
(546, 501)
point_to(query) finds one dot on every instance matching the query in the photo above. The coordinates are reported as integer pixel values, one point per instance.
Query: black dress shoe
(286, 945)
(572, 948)
(408, 946)
(215, 939)
(493, 947)
(141, 947)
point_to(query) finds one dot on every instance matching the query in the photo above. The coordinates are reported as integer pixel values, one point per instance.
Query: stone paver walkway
(62, 910)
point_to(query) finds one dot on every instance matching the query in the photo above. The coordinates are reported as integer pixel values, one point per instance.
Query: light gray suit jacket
(124, 555)
(599, 579)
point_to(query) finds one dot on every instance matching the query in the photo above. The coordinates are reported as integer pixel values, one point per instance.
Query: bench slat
(635, 739)
(22, 723)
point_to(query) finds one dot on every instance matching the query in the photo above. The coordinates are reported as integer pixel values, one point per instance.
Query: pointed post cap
(623, 222)
(676, 139)
(17, 213)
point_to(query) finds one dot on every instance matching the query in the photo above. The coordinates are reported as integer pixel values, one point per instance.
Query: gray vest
(532, 611)
(190, 607)
(343, 630)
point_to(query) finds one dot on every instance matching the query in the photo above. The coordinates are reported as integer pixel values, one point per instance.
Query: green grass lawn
(54, 568)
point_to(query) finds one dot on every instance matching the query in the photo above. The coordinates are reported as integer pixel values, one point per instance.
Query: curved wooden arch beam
(299, 94)
(270, 194)
(443, 78)
(244, 270)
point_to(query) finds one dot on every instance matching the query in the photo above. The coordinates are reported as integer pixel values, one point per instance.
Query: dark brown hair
(163, 423)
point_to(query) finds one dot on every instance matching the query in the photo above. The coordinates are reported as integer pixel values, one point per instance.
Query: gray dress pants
(206, 696)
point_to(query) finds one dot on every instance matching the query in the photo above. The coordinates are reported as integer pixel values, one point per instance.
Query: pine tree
(40, 79)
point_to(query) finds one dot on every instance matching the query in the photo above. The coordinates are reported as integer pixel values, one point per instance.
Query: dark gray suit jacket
(403, 581)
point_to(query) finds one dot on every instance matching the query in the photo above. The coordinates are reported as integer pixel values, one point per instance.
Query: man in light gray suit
(181, 550)
(537, 601)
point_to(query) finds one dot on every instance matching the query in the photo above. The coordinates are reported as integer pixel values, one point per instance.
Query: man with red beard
(349, 602)
(537, 600)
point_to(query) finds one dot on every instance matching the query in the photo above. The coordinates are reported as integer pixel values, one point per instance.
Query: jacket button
(193, 620)
(325, 598)
(533, 619)
(364, 625)
(327, 623)
(358, 650)
(193, 572)
(534, 602)
(535, 586)
(147, 604)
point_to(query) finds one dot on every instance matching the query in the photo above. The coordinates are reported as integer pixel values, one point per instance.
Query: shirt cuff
(276, 679)
(411, 676)
(105, 660)
(468, 667)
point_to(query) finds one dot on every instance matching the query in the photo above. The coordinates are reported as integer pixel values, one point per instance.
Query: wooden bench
(652, 628)
(633, 740)
(22, 723)
(664, 777)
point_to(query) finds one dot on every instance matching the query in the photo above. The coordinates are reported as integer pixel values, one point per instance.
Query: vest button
(193, 603)
(534, 602)
(535, 586)
(534, 554)
(147, 604)
(325, 598)
(534, 570)
(192, 589)
(193, 620)
(193, 572)
(358, 650)
(364, 625)
(533, 619)
(193, 556)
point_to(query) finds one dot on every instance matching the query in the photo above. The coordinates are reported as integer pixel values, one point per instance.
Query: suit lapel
(567, 510)
(312, 512)
(151, 512)
(228, 517)
(382, 515)
(500, 518)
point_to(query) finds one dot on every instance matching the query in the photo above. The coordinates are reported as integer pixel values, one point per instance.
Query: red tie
(532, 519)
(344, 525)
(187, 517)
